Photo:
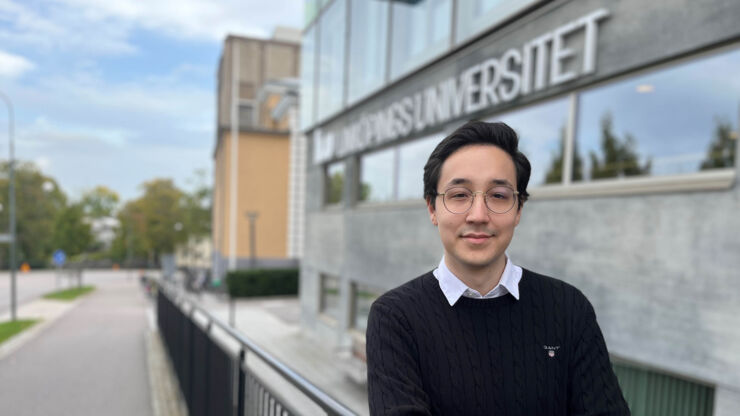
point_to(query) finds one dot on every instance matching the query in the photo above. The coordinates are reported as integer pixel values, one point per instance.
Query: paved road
(30, 286)
(92, 361)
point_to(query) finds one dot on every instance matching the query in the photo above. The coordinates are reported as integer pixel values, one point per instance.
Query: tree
(335, 184)
(71, 233)
(99, 202)
(38, 202)
(555, 171)
(197, 207)
(619, 157)
(148, 223)
(721, 151)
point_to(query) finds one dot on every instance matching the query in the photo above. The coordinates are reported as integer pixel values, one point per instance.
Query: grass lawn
(10, 328)
(69, 294)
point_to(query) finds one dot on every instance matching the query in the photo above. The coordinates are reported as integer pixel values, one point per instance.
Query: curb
(46, 311)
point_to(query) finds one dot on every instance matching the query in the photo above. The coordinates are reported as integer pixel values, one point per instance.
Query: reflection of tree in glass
(365, 191)
(619, 156)
(336, 183)
(721, 152)
(555, 171)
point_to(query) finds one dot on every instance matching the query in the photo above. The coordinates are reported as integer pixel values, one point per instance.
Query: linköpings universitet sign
(538, 64)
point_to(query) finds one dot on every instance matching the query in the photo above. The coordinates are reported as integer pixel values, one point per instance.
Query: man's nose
(479, 211)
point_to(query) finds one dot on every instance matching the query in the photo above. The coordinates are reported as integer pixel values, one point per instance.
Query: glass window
(474, 16)
(329, 304)
(368, 39)
(377, 176)
(677, 120)
(412, 158)
(246, 115)
(308, 53)
(331, 59)
(310, 10)
(421, 31)
(363, 298)
(541, 131)
(334, 182)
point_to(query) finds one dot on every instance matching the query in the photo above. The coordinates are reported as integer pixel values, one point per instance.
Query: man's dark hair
(477, 132)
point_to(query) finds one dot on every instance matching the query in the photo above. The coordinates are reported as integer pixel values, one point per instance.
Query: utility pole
(11, 197)
(252, 216)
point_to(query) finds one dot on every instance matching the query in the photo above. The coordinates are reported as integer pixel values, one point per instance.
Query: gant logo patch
(551, 350)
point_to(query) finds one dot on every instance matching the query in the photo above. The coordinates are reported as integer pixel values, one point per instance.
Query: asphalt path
(34, 284)
(92, 361)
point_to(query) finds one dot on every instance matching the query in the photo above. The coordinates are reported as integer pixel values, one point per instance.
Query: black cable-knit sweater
(543, 354)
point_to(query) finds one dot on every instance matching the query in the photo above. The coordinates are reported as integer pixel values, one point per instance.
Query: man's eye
(460, 195)
(500, 194)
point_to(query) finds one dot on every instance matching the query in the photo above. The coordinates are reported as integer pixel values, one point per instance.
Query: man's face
(477, 239)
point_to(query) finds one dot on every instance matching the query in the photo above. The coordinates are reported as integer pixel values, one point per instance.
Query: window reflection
(376, 176)
(364, 296)
(331, 59)
(307, 77)
(329, 303)
(334, 182)
(412, 158)
(310, 10)
(421, 31)
(671, 121)
(541, 131)
(367, 51)
(474, 16)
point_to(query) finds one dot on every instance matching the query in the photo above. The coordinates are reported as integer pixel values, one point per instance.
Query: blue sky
(119, 92)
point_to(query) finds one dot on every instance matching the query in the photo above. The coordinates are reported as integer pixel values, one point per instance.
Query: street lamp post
(11, 197)
(252, 216)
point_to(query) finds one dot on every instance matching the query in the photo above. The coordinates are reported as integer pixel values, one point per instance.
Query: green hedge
(262, 282)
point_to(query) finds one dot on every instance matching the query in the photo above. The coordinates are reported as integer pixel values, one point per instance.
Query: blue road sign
(60, 257)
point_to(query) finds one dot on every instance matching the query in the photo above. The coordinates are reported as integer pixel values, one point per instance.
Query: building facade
(256, 96)
(628, 112)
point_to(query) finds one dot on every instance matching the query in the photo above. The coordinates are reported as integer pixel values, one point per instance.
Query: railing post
(240, 388)
(209, 341)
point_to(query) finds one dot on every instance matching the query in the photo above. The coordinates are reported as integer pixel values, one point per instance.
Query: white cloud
(12, 66)
(53, 27)
(43, 162)
(197, 19)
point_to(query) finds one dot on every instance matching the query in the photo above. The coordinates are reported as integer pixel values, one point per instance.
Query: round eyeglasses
(499, 199)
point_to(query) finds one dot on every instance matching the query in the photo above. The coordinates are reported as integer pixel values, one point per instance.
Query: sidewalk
(86, 358)
(274, 324)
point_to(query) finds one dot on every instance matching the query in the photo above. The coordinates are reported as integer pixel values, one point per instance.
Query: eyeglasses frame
(516, 196)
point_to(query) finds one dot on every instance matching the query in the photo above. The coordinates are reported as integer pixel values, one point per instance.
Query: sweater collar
(453, 288)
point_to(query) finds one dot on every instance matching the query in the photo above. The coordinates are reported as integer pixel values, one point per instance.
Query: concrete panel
(726, 402)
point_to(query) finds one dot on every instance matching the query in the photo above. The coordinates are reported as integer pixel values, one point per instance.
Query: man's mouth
(477, 238)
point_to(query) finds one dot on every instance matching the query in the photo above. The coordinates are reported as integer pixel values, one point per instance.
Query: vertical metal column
(11, 197)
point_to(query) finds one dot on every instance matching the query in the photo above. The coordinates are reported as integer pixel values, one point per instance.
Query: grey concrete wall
(662, 271)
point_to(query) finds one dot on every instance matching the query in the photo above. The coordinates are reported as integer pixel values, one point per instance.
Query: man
(480, 335)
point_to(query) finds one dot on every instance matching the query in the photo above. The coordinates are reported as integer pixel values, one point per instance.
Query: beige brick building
(256, 100)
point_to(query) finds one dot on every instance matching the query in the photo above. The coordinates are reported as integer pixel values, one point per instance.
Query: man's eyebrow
(464, 181)
(459, 181)
(501, 182)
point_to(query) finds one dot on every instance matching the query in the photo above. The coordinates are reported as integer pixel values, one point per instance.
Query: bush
(262, 282)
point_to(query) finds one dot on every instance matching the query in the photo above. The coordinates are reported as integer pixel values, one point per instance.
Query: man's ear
(432, 212)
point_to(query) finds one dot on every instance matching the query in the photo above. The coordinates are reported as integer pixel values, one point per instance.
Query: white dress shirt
(453, 288)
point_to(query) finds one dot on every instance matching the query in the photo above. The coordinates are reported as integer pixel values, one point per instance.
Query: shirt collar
(453, 288)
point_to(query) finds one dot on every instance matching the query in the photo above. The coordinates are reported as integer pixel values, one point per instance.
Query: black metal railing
(216, 381)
